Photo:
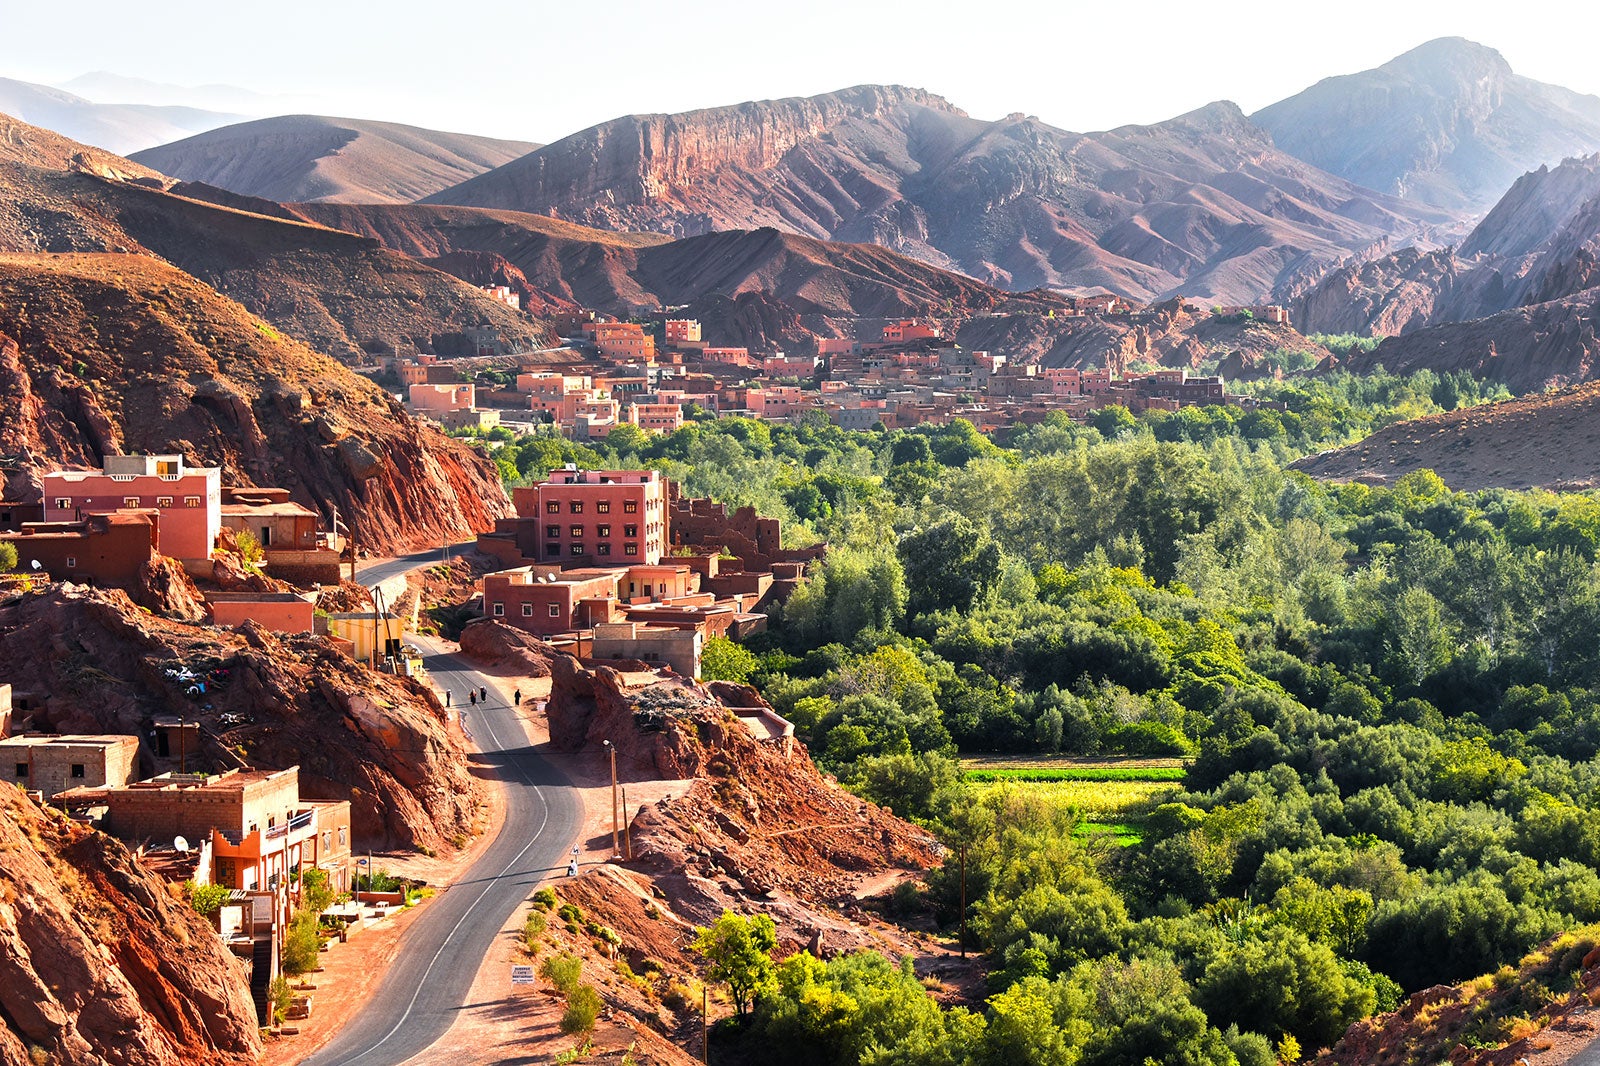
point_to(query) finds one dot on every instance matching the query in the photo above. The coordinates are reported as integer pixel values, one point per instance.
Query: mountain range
(1211, 204)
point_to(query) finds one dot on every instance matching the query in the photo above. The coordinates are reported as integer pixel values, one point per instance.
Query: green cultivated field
(1110, 797)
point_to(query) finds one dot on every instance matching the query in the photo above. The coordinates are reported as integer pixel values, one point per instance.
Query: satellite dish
(36, 564)
(179, 844)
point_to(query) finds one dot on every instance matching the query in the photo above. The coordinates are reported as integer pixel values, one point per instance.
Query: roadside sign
(522, 975)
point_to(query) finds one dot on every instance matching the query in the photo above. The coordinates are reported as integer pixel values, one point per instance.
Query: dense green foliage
(1080, 773)
(1390, 697)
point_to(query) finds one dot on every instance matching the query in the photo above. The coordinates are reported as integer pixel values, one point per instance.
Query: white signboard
(522, 975)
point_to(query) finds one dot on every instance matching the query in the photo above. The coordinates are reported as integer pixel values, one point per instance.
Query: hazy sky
(540, 70)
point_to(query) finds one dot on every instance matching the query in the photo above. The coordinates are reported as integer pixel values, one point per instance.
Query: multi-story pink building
(614, 517)
(187, 500)
(657, 417)
(621, 340)
(778, 401)
(551, 603)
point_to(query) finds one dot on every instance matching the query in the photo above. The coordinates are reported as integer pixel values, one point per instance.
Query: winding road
(420, 996)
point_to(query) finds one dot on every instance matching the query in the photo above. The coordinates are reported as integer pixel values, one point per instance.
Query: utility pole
(963, 901)
(183, 733)
(705, 1037)
(616, 843)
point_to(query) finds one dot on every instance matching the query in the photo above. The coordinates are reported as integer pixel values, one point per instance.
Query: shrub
(532, 929)
(545, 898)
(302, 945)
(583, 1007)
(570, 912)
(562, 971)
(206, 899)
(8, 557)
(282, 997)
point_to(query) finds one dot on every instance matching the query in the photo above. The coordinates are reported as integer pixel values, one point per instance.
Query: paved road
(421, 995)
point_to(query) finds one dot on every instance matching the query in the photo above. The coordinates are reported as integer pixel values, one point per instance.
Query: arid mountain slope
(621, 271)
(1548, 440)
(312, 157)
(1204, 203)
(101, 964)
(120, 128)
(1447, 123)
(338, 293)
(1541, 242)
(22, 143)
(112, 353)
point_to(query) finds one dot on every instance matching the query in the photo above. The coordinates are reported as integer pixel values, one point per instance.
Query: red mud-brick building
(111, 550)
(188, 499)
(600, 517)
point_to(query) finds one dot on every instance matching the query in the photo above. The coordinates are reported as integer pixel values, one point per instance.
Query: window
(191, 501)
(647, 590)
(552, 549)
(602, 548)
(603, 507)
(77, 769)
(22, 769)
(630, 531)
(72, 562)
(63, 503)
(555, 610)
(552, 531)
(576, 506)
(577, 549)
(130, 501)
(163, 501)
(630, 549)
(527, 610)
(499, 610)
(602, 531)
(577, 531)
(553, 507)
(341, 834)
(630, 506)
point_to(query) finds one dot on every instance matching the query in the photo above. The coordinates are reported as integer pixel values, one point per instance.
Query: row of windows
(22, 770)
(554, 532)
(576, 549)
(600, 507)
(64, 503)
(527, 610)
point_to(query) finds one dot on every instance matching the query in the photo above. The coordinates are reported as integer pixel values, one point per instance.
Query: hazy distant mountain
(303, 158)
(1447, 124)
(1202, 204)
(106, 87)
(119, 128)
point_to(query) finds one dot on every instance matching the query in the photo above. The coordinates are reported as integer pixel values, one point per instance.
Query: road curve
(424, 990)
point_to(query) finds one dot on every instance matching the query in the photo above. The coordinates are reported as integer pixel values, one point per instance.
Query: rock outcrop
(98, 664)
(102, 354)
(99, 963)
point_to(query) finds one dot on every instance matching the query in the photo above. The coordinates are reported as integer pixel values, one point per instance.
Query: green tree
(723, 660)
(739, 950)
(948, 565)
(583, 1007)
(302, 944)
(8, 557)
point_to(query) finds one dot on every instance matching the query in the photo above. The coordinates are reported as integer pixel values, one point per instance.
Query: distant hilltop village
(654, 373)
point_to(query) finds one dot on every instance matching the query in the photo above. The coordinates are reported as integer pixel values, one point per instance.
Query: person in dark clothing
(472, 698)
(483, 695)
(447, 697)
(516, 698)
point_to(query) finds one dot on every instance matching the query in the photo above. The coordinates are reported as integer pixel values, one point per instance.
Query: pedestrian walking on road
(447, 697)
(483, 695)
(472, 697)
(516, 698)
